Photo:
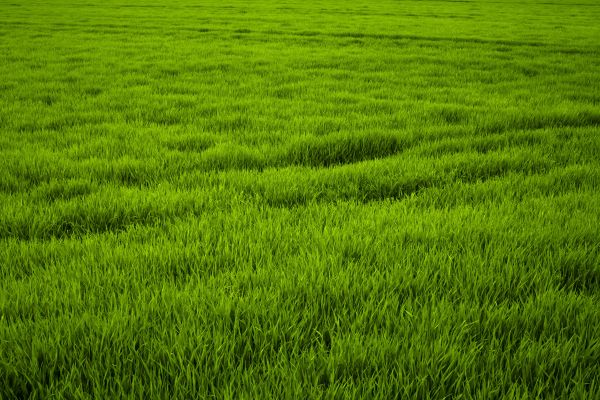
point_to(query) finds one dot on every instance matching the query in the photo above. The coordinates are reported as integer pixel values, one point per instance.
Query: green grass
(318, 199)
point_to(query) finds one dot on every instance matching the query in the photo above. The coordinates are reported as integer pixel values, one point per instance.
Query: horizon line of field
(238, 32)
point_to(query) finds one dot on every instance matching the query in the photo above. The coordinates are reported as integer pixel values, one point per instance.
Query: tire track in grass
(75, 212)
(513, 186)
(109, 210)
(342, 148)
(424, 38)
(191, 155)
(391, 178)
(311, 151)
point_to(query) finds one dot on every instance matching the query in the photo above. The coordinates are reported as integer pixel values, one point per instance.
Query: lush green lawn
(300, 199)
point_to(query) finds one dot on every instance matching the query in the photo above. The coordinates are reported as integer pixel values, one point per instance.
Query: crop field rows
(285, 199)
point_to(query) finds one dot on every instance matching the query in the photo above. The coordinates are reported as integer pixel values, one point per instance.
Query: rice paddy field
(300, 199)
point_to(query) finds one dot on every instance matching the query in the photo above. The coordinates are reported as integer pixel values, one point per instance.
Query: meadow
(300, 199)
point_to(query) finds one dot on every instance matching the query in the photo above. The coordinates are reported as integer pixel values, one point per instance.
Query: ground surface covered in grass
(300, 199)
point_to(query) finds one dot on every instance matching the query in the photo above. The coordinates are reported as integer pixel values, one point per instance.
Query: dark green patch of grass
(324, 151)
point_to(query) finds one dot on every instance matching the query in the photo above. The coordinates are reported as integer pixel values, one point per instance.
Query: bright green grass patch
(394, 199)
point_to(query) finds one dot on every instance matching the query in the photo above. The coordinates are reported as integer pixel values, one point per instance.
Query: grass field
(300, 199)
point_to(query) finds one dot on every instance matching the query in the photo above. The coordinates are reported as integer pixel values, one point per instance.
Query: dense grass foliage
(300, 199)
